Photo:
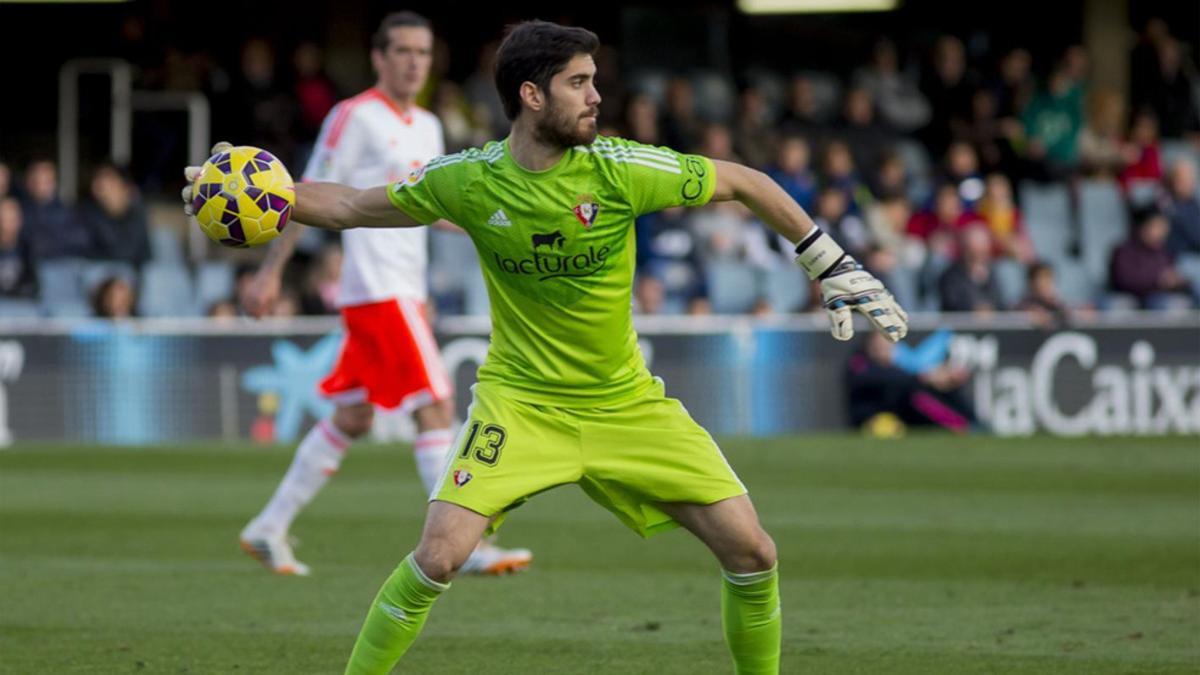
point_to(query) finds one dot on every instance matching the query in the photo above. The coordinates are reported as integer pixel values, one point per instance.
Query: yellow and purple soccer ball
(243, 197)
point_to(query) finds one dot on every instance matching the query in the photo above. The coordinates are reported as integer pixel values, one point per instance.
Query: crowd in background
(919, 164)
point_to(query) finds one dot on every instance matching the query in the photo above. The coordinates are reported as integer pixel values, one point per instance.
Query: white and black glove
(845, 285)
(190, 173)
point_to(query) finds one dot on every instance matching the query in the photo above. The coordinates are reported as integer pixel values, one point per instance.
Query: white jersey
(367, 141)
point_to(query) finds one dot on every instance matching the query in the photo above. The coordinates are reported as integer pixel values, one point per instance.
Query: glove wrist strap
(818, 254)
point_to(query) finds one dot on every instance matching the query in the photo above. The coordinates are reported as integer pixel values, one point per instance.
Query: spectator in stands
(322, 281)
(287, 306)
(834, 218)
(755, 139)
(1101, 146)
(480, 90)
(315, 93)
(458, 123)
(716, 142)
(223, 310)
(793, 173)
(682, 129)
(839, 171)
(641, 119)
(991, 138)
(948, 86)
(1014, 87)
(961, 168)
(1144, 268)
(243, 278)
(900, 102)
(116, 219)
(1182, 206)
(1003, 218)
(113, 299)
(1053, 120)
(18, 266)
(1163, 80)
(969, 284)
(939, 226)
(887, 220)
(51, 226)
(723, 230)
(267, 111)
(1042, 302)
(876, 385)
(891, 178)
(867, 139)
(1143, 160)
(803, 115)
(669, 263)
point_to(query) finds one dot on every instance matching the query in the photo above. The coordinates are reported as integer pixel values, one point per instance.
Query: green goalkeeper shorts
(627, 457)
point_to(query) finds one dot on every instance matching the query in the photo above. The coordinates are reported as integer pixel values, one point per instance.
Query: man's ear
(532, 95)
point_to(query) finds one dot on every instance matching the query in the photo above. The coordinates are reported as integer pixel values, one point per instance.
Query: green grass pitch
(930, 554)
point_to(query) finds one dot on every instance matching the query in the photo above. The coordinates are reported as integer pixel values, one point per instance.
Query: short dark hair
(536, 51)
(382, 35)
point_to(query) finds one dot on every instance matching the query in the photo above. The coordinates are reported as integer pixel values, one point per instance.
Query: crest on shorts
(461, 477)
(586, 209)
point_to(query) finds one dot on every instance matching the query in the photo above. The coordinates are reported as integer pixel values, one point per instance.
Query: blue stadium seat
(715, 97)
(732, 287)
(60, 287)
(1047, 210)
(166, 246)
(13, 308)
(166, 291)
(1105, 224)
(475, 299)
(1189, 266)
(214, 282)
(903, 283)
(1075, 286)
(786, 288)
(1010, 277)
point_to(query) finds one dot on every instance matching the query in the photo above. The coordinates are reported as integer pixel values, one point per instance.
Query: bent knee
(354, 420)
(757, 555)
(439, 562)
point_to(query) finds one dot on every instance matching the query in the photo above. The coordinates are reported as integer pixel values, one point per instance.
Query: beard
(560, 128)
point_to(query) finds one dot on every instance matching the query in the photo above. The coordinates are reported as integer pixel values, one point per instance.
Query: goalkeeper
(564, 395)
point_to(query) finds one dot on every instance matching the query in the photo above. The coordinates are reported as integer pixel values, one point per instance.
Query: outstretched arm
(764, 197)
(331, 206)
(845, 285)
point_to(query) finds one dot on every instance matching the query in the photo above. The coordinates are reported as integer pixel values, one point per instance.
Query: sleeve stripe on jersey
(604, 144)
(445, 160)
(339, 123)
(642, 153)
(642, 161)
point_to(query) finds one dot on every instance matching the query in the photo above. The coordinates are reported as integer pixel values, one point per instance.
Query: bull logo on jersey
(586, 210)
(552, 241)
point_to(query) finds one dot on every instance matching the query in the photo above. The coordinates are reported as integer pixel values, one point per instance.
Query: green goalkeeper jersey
(557, 252)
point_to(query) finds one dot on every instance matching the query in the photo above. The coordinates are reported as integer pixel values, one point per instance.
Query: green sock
(753, 621)
(396, 618)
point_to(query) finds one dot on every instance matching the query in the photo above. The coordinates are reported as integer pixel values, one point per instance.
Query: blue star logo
(294, 378)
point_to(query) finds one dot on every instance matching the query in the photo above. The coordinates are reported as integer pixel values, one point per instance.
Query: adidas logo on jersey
(499, 219)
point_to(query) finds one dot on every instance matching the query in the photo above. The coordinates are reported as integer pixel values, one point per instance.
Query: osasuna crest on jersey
(586, 210)
(461, 477)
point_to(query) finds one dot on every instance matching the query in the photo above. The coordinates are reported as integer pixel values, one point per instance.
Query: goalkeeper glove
(845, 285)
